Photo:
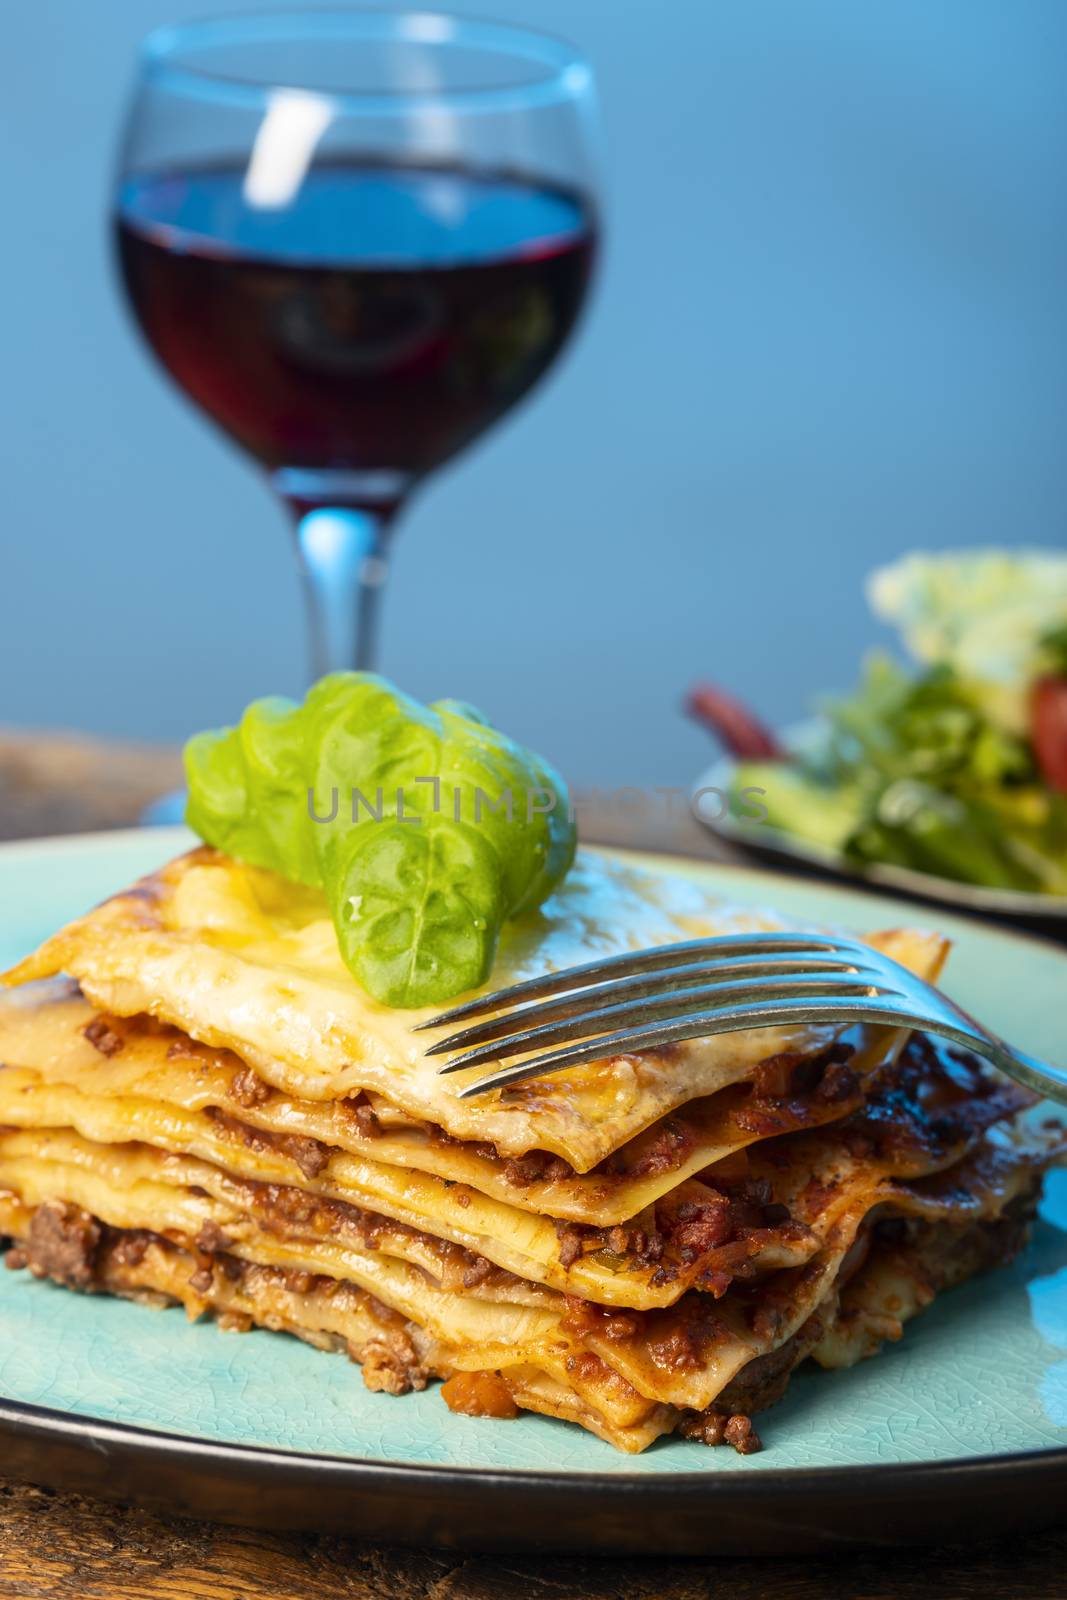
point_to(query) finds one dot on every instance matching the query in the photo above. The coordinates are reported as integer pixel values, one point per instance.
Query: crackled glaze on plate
(984, 1372)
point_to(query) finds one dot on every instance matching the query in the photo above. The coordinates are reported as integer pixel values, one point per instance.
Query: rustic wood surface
(54, 1545)
(65, 783)
(63, 1545)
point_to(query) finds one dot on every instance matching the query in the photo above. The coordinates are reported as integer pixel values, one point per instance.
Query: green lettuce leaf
(426, 827)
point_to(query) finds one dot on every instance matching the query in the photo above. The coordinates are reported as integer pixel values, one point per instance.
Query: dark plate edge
(483, 1509)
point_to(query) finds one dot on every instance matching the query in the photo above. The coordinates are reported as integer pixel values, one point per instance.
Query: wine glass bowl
(355, 240)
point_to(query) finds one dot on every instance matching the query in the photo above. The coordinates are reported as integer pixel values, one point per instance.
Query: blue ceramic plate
(972, 1402)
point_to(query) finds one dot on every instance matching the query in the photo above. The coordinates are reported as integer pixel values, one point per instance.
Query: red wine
(377, 323)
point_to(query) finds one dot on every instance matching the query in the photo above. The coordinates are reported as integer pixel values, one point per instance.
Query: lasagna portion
(199, 1105)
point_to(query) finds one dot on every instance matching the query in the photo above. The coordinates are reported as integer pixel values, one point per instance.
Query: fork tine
(710, 997)
(578, 1002)
(761, 942)
(888, 1011)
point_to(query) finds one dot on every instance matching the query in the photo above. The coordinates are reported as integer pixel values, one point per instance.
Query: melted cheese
(817, 1176)
(239, 958)
(42, 1028)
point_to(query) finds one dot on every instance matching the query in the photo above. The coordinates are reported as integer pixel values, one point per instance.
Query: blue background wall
(831, 327)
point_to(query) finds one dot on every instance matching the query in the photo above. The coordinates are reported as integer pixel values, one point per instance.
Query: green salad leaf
(426, 827)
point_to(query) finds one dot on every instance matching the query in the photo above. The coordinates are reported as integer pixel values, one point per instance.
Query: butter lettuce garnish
(426, 827)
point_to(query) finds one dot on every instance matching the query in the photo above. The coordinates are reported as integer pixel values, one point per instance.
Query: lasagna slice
(209, 1111)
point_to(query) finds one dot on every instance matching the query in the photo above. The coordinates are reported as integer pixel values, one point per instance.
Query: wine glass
(355, 239)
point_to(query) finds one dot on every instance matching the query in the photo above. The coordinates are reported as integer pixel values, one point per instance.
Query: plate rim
(777, 1511)
(54, 1422)
(94, 838)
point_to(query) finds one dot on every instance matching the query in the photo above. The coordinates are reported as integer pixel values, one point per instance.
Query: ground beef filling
(391, 1365)
(709, 1239)
(248, 1088)
(61, 1244)
(359, 1109)
(720, 1427)
(290, 1212)
(103, 1037)
(677, 1340)
(539, 1166)
(310, 1155)
(826, 1075)
(71, 1247)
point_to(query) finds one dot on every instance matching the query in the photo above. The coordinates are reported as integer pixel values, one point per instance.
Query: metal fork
(648, 998)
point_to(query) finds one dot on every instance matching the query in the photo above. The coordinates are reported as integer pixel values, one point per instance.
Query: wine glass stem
(341, 554)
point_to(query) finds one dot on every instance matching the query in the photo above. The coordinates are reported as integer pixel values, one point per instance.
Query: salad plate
(777, 846)
(965, 1418)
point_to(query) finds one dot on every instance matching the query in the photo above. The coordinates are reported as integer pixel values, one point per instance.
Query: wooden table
(54, 1545)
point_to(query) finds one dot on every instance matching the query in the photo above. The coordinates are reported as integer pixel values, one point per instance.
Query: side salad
(953, 764)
